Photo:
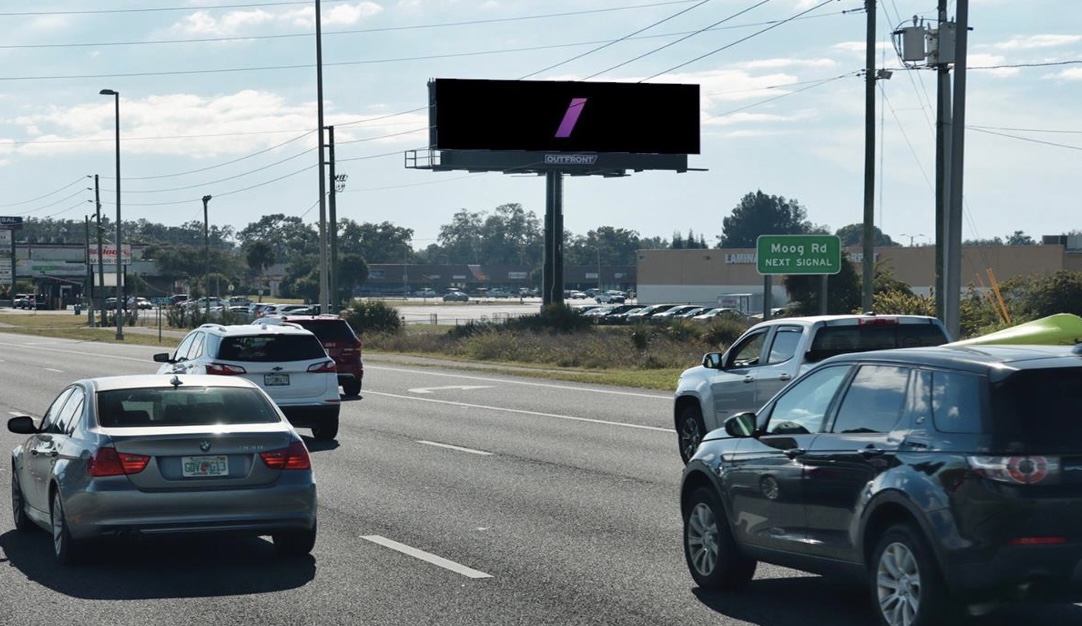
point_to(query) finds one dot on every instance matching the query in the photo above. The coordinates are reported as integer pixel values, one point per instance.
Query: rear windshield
(271, 348)
(1038, 411)
(183, 406)
(833, 340)
(328, 330)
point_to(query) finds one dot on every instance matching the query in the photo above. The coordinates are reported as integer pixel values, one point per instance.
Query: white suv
(286, 361)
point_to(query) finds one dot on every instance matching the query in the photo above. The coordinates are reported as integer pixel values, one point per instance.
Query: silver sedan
(129, 455)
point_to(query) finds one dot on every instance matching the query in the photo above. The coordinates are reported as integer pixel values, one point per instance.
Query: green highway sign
(798, 254)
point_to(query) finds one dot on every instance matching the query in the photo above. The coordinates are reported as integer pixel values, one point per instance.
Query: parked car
(427, 292)
(770, 354)
(22, 301)
(455, 296)
(338, 339)
(720, 312)
(940, 476)
(288, 362)
(674, 312)
(130, 455)
(645, 313)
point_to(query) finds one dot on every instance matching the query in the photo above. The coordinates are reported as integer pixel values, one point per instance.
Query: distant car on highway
(123, 456)
(455, 296)
(427, 292)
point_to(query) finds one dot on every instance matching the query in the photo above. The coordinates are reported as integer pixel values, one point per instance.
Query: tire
(713, 556)
(65, 549)
(327, 429)
(351, 387)
(295, 543)
(18, 506)
(907, 587)
(689, 431)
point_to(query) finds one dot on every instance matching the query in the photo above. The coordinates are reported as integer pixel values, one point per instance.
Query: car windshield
(1037, 411)
(328, 330)
(270, 348)
(183, 406)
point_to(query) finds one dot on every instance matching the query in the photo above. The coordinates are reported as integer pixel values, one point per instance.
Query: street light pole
(119, 255)
(206, 256)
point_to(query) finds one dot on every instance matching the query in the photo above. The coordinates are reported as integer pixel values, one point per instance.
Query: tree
(287, 235)
(352, 272)
(461, 239)
(853, 235)
(995, 241)
(1019, 238)
(376, 243)
(614, 246)
(1040, 295)
(760, 214)
(843, 291)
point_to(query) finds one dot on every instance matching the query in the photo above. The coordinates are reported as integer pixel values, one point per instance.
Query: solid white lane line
(450, 447)
(425, 556)
(50, 369)
(612, 392)
(41, 348)
(520, 411)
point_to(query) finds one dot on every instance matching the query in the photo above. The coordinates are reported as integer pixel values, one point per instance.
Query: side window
(73, 408)
(48, 422)
(803, 406)
(783, 348)
(749, 351)
(874, 401)
(956, 402)
(196, 350)
(182, 349)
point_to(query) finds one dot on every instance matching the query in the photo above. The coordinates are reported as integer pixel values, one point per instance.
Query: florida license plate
(275, 380)
(204, 466)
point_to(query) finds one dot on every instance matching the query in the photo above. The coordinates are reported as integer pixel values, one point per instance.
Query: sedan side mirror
(712, 360)
(162, 357)
(741, 425)
(22, 424)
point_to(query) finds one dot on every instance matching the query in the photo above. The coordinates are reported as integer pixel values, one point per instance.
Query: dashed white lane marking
(463, 387)
(450, 447)
(651, 396)
(50, 369)
(521, 412)
(425, 556)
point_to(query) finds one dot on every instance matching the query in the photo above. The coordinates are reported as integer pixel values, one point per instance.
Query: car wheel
(689, 431)
(295, 542)
(18, 505)
(327, 428)
(65, 549)
(713, 557)
(907, 587)
(351, 387)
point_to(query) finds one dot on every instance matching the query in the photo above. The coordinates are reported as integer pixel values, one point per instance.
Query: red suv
(338, 339)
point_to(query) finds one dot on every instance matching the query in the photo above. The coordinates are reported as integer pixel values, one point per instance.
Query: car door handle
(784, 377)
(792, 453)
(871, 452)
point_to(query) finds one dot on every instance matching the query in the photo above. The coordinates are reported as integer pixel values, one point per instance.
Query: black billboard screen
(564, 116)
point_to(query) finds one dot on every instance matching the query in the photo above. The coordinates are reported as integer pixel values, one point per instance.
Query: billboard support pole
(553, 275)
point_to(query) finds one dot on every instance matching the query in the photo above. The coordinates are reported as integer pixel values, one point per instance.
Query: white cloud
(858, 48)
(749, 118)
(243, 22)
(1074, 73)
(1038, 41)
(771, 64)
(977, 59)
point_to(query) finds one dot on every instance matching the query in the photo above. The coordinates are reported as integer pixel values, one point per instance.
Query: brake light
(323, 367)
(1037, 541)
(295, 457)
(1017, 470)
(221, 369)
(878, 321)
(108, 462)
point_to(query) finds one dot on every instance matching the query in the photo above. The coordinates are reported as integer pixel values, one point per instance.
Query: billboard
(564, 116)
(110, 254)
(8, 222)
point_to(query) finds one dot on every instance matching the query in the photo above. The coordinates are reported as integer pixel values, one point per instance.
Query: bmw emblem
(204, 446)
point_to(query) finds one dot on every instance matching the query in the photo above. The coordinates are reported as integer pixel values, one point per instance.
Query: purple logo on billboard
(571, 117)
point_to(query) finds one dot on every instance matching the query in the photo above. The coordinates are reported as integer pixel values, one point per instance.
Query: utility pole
(88, 292)
(101, 254)
(952, 298)
(324, 286)
(206, 257)
(868, 265)
(333, 223)
(942, 160)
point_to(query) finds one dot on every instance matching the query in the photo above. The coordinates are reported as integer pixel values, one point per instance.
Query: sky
(218, 97)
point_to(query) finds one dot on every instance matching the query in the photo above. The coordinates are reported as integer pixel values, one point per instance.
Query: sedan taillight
(222, 369)
(108, 462)
(1017, 470)
(323, 367)
(295, 457)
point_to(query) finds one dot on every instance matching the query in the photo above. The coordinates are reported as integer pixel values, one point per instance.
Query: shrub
(373, 316)
(722, 332)
(558, 318)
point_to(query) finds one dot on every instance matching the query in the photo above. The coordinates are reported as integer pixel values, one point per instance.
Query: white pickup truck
(771, 354)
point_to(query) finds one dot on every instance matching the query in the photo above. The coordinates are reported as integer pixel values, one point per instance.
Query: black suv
(944, 477)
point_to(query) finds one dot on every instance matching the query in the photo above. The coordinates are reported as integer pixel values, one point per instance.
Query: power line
(347, 32)
(221, 194)
(77, 181)
(220, 180)
(615, 41)
(673, 43)
(741, 40)
(1044, 143)
(1024, 130)
(156, 9)
(813, 85)
(51, 205)
(205, 169)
